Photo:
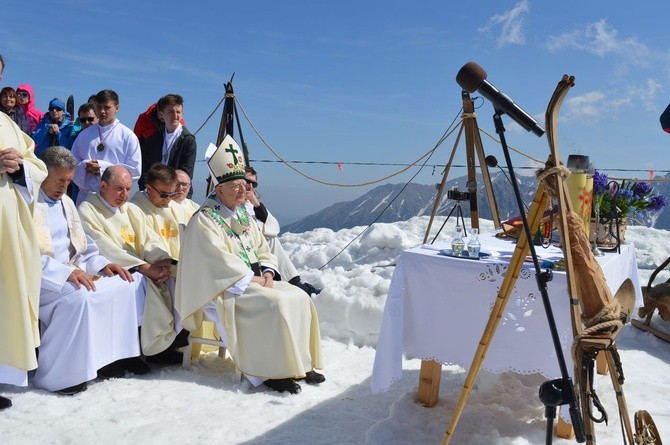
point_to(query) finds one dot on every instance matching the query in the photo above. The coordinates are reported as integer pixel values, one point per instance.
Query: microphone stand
(561, 391)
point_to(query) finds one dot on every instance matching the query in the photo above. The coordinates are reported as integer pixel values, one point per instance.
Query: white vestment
(82, 330)
(123, 235)
(121, 147)
(272, 333)
(19, 260)
(270, 229)
(185, 210)
(163, 220)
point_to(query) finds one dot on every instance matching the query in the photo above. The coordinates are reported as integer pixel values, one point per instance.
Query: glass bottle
(457, 243)
(474, 245)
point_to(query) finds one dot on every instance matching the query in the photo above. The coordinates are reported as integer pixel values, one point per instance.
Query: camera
(457, 195)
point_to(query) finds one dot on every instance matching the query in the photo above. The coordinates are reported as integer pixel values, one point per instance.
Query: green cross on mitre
(232, 151)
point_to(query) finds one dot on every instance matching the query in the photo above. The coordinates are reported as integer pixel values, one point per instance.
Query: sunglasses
(85, 120)
(254, 184)
(55, 109)
(22, 94)
(163, 195)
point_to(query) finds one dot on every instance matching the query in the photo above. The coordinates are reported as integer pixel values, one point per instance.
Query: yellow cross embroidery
(167, 231)
(126, 235)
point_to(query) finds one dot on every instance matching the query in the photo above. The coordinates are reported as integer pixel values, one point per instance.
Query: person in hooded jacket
(55, 128)
(26, 98)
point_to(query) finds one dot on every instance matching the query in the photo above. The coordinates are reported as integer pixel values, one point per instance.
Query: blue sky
(355, 81)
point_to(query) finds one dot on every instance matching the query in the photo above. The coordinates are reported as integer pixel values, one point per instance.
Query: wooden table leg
(429, 383)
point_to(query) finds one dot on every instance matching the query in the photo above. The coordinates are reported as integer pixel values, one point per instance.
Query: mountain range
(400, 202)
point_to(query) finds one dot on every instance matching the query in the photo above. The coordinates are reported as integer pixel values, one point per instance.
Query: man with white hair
(88, 305)
(227, 273)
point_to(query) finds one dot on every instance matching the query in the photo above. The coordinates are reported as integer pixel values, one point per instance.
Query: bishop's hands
(10, 160)
(114, 269)
(158, 271)
(267, 280)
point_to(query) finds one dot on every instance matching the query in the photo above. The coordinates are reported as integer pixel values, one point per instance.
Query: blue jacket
(43, 139)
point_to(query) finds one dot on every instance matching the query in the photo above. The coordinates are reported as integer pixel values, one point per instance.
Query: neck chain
(101, 145)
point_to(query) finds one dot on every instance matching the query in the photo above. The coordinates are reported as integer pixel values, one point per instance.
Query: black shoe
(72, 390)
(114, 370)
(180, 340)
(310, 289)
(5, 403)
(134, 365)
(283, 385)
(314, 378)
(167, 357)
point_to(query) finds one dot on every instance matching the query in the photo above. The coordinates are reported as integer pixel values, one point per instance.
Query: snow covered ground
(206, 404)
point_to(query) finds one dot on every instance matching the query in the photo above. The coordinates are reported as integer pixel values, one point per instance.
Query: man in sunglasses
(123, 235)
(270, 228)
(55, 128)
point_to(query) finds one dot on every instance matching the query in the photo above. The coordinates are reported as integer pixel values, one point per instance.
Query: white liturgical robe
(120, 147)
(19, 260)
(272, 333)
(82, 330)
(124, 236)
(163, 221)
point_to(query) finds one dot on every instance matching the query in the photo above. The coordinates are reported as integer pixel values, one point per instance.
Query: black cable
(439, 142)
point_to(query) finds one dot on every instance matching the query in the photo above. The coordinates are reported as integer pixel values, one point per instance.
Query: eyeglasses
(55, 109)
(254, 184)
(85, 120)
(163, 195)
(183, 184)
(22, 94)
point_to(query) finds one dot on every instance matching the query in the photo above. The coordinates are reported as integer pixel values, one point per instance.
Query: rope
(516, 150)
(604, 322)
(552, 186)
(334, 184)
(210, 115)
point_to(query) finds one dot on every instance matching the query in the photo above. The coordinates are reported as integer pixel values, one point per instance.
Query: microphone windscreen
(491, 161)
(470, 77)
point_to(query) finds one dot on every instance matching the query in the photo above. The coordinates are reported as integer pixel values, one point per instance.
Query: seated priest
(88, 310)
(21, 174)
(156, 202)
(123, 234)
(269, 226)
(228, 274)
(186, 205)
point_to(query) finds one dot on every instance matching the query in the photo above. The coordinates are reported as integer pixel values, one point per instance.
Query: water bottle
(457, 243)
(474, 245)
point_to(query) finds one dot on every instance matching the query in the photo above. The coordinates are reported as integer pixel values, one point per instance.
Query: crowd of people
(101, 284)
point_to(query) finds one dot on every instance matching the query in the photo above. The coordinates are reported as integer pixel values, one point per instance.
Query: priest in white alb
(21, 174)
(228, 274)
(186, 206)
(122, 232)
(88, 310)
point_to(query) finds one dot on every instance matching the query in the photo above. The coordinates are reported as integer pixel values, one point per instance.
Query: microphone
(472, 77)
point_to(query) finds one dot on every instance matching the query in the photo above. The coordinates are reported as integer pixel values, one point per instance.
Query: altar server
(21, 174)
(88, 306)
(227, 270)
(123, 235)
(104, 144)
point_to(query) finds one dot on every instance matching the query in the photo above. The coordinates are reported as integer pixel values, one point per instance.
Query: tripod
(473, 146)
(459, 213)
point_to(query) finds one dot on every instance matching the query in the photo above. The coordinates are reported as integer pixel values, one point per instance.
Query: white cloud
(601, 39)
(596, 105)
(512, 24)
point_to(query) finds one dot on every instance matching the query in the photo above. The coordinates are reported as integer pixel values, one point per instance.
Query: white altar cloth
(438, 306)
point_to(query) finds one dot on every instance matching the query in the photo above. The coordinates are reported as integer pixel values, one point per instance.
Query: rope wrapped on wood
(604, 323)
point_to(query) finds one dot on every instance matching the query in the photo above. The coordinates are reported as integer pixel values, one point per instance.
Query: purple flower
(641, 188)
(625, 194)
(599, 182)
(657, 202)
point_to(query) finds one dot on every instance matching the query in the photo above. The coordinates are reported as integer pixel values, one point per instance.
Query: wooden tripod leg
(620, 398)
(520, 251)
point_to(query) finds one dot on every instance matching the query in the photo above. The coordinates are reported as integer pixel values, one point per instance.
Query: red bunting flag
(339, 166)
